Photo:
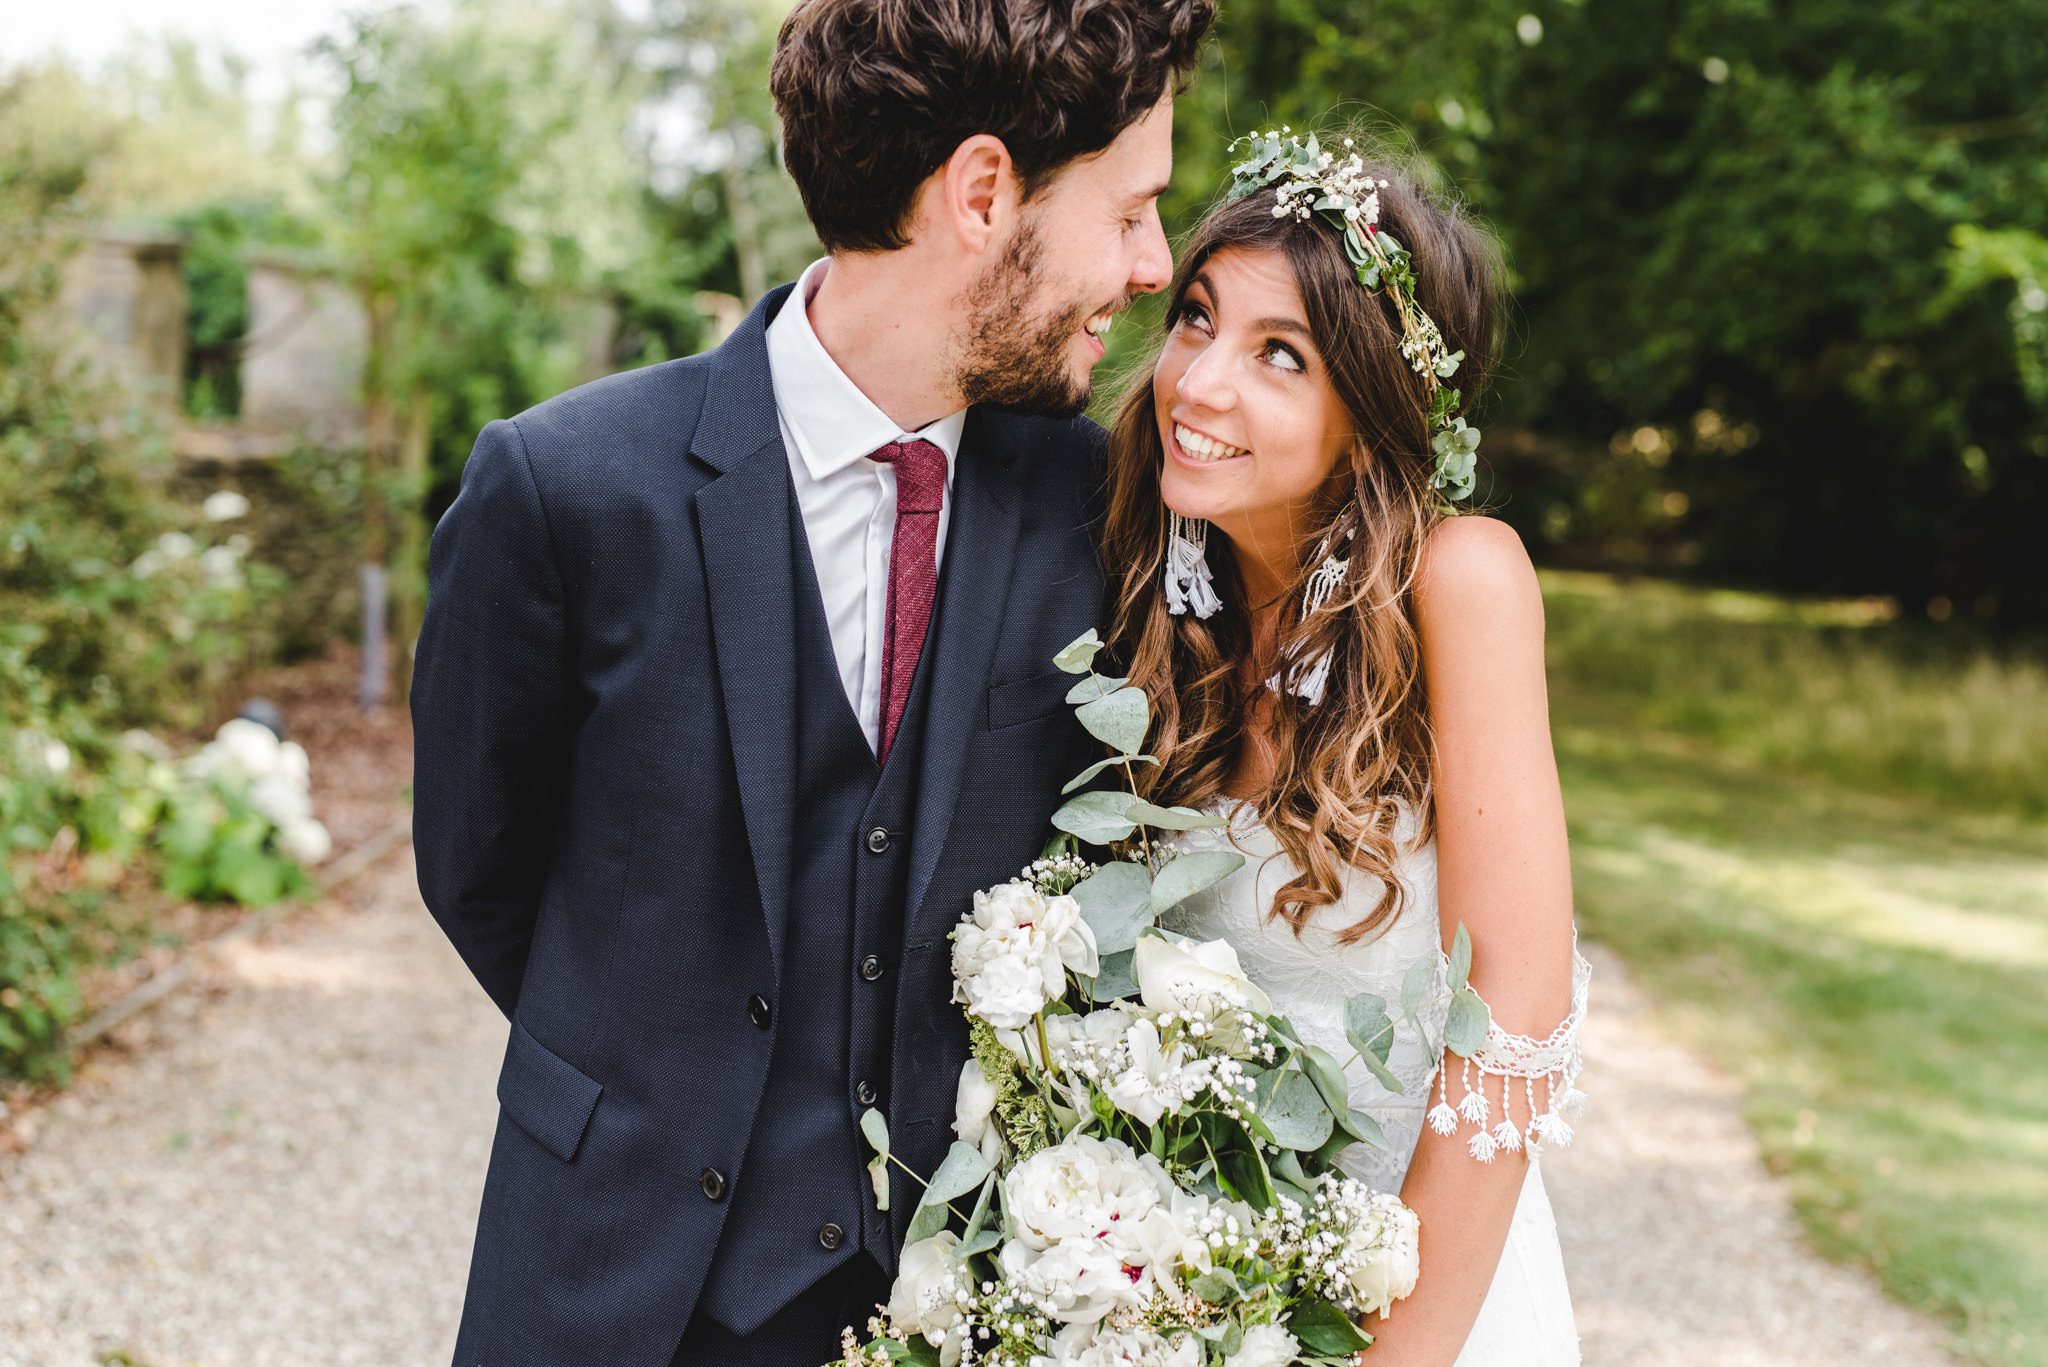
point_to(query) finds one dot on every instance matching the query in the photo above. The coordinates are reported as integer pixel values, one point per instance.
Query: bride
(1353, 675)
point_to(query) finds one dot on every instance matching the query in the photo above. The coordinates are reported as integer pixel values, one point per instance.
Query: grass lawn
(1871, 960)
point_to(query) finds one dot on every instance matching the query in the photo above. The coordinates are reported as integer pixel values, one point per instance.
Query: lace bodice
(1310, 976)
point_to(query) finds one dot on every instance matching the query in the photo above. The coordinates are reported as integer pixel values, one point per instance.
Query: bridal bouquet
(1144, 1170)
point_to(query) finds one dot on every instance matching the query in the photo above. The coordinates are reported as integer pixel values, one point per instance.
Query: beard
(1012, 360)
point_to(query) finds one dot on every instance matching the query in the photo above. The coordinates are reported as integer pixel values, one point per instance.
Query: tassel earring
(1189, 584)
(1308, 684)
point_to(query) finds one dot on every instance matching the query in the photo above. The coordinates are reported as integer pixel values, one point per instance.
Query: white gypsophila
(1265, 1345)
(1083, 1346)
(1075, 1281)
(974, 1102)
(1089, 1189)
(925, 1299)
(1154, 1079)
(224, 505)
(1363, 1249)
(1014, 933)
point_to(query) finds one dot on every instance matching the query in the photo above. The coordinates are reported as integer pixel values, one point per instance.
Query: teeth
(1099, 325)
(1203, 447)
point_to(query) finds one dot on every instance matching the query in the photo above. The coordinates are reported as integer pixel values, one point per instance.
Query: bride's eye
(1195, 316)
(1281, 356)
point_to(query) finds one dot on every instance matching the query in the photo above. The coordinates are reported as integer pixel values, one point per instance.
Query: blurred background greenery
(1774, 419)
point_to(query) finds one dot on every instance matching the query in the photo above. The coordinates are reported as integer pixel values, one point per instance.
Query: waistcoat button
(865, 1093)
(758, 1012)
(831, 1236)
(871, 968)
(712, 1181)
(878, 841)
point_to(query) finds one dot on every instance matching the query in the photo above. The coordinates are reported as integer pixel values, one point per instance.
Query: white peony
(1088, 1189)
(1075, 1281)
(973, 1104)
(922, 1300)
(1085, 1346)
(1191, 978)
(1265, 1345)
(1012, 954)
(242, 748)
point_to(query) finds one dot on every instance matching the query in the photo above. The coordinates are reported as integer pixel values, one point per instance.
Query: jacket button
(758, 1012)
(871, 968)
(865, 1093)
(830, 1237)
(878, 841)
(712, 1183)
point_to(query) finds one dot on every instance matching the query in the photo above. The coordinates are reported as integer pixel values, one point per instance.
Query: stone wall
(125, 293)
(302, 366)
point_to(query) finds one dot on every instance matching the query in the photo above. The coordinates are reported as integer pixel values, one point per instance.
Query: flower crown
(1313, 181)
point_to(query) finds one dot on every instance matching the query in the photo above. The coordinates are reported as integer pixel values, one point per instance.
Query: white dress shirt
(848, 501)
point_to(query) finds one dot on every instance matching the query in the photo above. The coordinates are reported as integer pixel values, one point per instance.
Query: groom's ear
(974, 194)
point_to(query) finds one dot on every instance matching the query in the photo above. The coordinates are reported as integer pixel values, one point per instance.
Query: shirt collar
(832, 422)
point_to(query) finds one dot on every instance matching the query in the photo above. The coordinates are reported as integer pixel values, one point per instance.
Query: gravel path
(284, 1166)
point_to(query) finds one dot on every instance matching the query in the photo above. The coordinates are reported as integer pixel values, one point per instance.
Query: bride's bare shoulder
(1475, 570)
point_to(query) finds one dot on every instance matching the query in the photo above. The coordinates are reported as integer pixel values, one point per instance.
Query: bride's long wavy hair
(1347, 764)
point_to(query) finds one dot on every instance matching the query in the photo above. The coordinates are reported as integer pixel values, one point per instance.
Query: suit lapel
(743, 527)
(981, 548)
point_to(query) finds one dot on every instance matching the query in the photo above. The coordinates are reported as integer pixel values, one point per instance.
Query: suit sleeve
(490, 708)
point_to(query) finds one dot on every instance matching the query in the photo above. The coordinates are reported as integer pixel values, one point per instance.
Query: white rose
(1386, 1254)
(921, 1301)
(1076, 1281)
(973, 1103)
(244, 747)
(280, 799)
(1265, 1345)
(221, 566)
(1094, 1190)
(1196, 980)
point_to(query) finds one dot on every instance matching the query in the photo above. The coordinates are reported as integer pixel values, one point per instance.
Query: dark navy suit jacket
(604, 813)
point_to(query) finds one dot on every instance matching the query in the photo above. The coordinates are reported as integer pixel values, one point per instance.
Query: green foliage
(218, 237)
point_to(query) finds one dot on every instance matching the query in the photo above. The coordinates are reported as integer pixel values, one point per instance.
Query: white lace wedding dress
(1527, 1318)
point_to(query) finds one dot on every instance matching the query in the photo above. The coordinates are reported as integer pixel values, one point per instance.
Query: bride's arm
(1504, 871)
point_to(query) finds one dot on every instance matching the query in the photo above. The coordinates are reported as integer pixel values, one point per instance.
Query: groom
(736, 684)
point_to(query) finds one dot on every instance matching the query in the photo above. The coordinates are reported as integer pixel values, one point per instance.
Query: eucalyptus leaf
(1093, 687)
(878, 1176)
(928, 1219)
(1118, 978)
(1296, 1113)
(977, 1219)
(875, 1126)
(1218, 1286)
(1116, 902)
(1191, 873)
(983, 1241)
(1172, 818)
(1461, 957)
(1119, 720)
(1368, 1026)
(962, 1171)
(1328, 1076)
(1088, 775)
(1096, 817)
(1415, 986)
(1362, 1127)
(1466, 1025)
(1079, 657)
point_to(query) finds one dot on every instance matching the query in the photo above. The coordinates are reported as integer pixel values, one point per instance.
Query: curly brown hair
(1347, 763)
(874, 95)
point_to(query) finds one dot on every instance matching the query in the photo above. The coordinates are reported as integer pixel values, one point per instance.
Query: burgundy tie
(913, 571)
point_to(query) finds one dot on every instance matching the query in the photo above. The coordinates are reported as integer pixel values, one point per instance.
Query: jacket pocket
(546, 1096)
(1022, 700)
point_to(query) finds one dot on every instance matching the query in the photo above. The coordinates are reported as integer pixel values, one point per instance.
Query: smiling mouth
(1203, 448)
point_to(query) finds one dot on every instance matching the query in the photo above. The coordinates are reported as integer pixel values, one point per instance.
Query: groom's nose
(1153, 270)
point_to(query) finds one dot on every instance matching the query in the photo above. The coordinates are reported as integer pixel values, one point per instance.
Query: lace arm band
(1554, 1060)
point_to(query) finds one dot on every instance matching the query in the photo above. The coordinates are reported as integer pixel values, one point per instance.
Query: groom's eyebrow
(1147, 196)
